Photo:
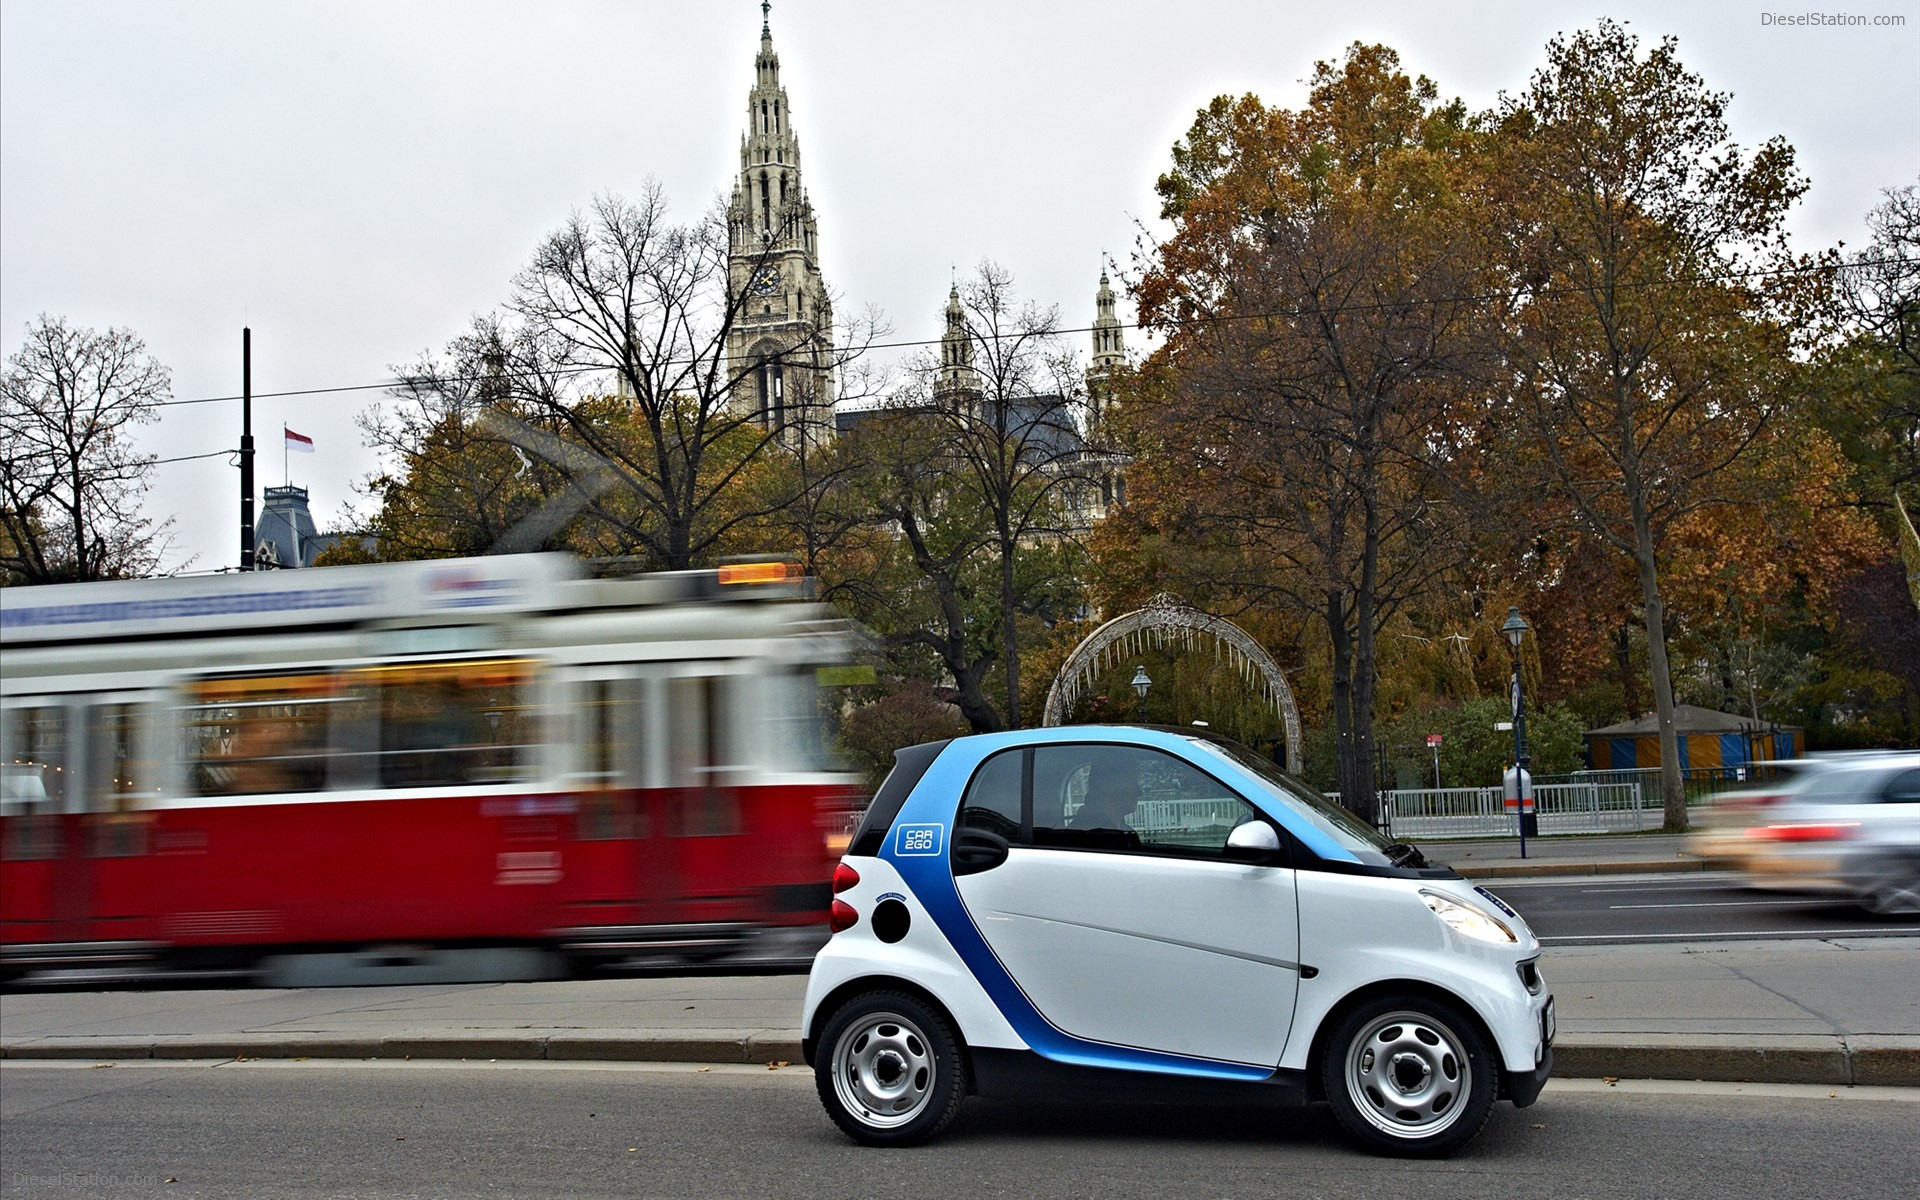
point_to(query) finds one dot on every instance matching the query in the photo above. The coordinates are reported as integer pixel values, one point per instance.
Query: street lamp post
(1140, 683)
(1522, 794)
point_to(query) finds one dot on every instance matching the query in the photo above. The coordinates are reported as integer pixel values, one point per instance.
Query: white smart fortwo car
(1108, 912)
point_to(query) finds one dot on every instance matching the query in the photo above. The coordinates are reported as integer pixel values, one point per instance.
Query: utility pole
(246, 449)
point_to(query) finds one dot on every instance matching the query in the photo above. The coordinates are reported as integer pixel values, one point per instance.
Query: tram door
(44, 873)
(701, 806)
(618, 866)
(660, 803)
(74, 847)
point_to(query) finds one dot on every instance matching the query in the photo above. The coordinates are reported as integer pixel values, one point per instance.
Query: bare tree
(620, 293)
(1012, 403)
(70, 481)
(1879, 297)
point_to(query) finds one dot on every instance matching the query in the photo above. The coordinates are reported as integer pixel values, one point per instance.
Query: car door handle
(976, 850)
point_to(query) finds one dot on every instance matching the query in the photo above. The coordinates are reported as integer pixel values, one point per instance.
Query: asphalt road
(430, 1130)
(1682, 908)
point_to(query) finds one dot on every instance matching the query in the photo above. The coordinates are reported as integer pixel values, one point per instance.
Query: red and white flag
(299, 443)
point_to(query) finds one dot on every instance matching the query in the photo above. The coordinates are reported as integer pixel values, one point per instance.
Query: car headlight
(1470, 920)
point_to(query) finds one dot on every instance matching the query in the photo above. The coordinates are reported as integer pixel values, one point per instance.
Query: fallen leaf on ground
(1609, 1080)
(777, 1064)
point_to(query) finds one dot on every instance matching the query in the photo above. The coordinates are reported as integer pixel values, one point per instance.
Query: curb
(719, 1047)
(1841, 1062)
(1543, 867)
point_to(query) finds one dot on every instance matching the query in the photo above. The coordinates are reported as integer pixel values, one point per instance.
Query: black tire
(1409, 1075)
(889, 1069)
(1890, 887)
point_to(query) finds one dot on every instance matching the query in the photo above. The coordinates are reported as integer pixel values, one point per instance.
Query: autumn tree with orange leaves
(1317, 300)
(1647, 358)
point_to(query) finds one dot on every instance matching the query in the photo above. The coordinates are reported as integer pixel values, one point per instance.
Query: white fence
(1482, 812)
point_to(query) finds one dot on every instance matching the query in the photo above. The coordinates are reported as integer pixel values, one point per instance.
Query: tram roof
(438, 591)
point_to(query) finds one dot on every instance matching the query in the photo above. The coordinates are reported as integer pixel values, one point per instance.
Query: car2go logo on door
(1149, 912)
(920, 840)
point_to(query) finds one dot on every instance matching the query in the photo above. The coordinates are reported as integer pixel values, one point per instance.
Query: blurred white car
(1851, 827)
(1720, 831)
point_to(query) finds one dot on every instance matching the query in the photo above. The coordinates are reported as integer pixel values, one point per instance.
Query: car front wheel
(890, 1072)
(1409, 1075)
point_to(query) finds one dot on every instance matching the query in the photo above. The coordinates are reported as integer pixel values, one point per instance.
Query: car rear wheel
(1409, 1075)
(891, 1072)
(1890, 887)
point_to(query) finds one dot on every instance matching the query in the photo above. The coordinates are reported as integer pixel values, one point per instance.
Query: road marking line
(1702, 935)
(1717, 904)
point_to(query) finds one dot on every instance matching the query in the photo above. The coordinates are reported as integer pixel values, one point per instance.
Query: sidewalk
(1837, 1012)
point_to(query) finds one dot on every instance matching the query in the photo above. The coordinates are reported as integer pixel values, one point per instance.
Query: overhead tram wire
(1166, 323)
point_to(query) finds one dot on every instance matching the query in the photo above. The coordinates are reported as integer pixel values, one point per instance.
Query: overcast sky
(356, 179)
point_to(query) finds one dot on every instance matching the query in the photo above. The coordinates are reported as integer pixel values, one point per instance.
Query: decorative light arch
(1165, 620)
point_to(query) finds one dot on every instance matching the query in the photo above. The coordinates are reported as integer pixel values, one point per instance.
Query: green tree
(451, 485)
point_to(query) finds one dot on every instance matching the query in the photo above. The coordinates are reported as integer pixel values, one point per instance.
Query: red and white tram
(460, 753)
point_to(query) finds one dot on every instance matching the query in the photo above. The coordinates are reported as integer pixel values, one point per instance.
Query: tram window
(699, 717)
(800, 716)
(612, 734)
(612, 716)
(114, 774)
(250, 735)
(33, 751)
(444, 724)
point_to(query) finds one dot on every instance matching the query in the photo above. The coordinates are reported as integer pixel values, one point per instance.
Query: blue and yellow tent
(1708, 739)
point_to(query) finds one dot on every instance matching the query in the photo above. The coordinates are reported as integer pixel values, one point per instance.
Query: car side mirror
(1253, 841)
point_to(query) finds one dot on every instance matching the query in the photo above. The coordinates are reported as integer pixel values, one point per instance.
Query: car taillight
(1831, 832)
(843, 915)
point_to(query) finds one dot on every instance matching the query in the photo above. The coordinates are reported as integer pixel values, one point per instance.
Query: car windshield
(1348, 831)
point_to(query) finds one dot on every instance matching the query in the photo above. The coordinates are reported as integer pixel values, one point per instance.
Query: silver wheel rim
(884, 1070)
(1408, 1074)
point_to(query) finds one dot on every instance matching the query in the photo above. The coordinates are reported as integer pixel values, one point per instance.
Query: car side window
(1095, 797)
(992, 802)
(1904, 788)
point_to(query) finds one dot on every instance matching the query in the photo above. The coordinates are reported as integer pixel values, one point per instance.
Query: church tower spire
(780, 349)
(1109, 349)
(958, 384)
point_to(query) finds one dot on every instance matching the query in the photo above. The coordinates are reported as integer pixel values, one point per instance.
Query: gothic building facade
(780, 347)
